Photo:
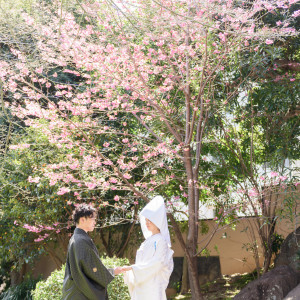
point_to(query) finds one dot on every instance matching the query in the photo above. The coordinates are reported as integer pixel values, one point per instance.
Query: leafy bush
(21, 291)
(117, 289)
(51, 289)
(5, 269)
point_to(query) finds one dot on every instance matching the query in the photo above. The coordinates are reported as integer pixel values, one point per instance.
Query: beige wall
(230, 244)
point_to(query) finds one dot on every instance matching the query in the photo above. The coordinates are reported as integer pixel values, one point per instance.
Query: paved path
(293, 294)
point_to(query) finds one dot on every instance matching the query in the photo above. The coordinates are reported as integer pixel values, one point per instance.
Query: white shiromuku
(151, 272)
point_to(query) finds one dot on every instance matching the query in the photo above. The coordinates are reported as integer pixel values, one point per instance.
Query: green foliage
(276, 242)
(5, 268)
(22, 202)
(37, 204)
(266, 116)
(117, 290)
(242, 280)
(203, 227)
(177, 286)
(21, 291)
(51, 289)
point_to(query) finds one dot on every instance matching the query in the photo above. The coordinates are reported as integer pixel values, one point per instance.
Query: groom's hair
(83, 210)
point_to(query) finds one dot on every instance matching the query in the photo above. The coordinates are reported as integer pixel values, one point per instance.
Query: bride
(148, 278)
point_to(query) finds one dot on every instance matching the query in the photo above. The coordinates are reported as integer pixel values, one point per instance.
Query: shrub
(117, 289)
(51, 289)
(20, 291)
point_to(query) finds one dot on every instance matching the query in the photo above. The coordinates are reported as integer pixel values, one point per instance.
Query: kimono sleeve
(129, 280)
(142, 272)
(94, 268)
(89, 268)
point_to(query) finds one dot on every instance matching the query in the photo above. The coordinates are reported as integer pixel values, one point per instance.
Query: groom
(86, 278)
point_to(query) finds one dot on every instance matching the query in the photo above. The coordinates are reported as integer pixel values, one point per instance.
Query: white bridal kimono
(151, 272)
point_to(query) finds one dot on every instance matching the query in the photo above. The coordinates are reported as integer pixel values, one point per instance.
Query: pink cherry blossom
(253, 193)
(49, 228)
(90, 185)
(269, 42)
(20, 146)
(127, 176)
(296, 13)
(113, 180)
(39, 239)
(35, 179)
(29, 20)
(39, 70)
(63, 190)
(32, 228)
(126, 79)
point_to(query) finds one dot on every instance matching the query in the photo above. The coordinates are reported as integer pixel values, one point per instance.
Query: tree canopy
(129, 100)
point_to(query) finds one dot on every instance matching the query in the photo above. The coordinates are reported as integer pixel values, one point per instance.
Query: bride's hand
(118, 270)
(126, 268)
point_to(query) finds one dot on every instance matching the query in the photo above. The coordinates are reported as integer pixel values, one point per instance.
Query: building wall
(230, 244)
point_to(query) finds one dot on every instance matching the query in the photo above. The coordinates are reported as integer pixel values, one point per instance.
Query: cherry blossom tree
(152, 78)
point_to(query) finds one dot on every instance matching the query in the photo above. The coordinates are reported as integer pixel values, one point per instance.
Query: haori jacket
(86, 278)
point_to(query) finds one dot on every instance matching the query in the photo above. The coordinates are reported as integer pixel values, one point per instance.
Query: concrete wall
(227, 243)
(231, 245)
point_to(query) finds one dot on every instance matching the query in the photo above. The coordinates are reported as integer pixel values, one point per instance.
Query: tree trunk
(190, 252)
(192, 235)
(125, 240)
(105, 244)
(127, 234)
(193, 278)
(185, 277)
(17, 276)
(267, 261)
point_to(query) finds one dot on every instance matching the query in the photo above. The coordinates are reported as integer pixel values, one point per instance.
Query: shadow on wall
(209, 270)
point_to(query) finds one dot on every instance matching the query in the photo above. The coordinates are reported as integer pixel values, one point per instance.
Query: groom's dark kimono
(86, 278)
